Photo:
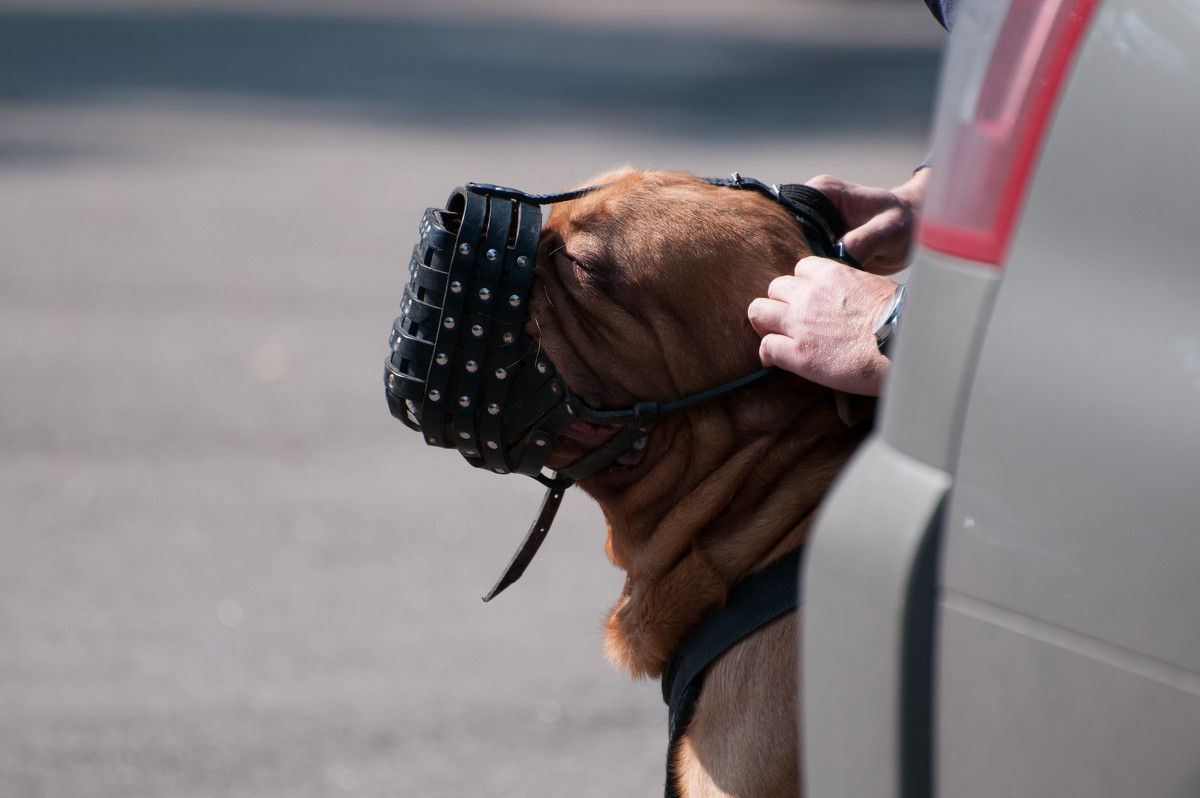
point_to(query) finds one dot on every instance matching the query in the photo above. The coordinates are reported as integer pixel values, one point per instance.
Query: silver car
(1002, 596)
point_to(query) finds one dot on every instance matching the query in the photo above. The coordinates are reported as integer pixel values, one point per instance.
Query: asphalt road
(226, 570)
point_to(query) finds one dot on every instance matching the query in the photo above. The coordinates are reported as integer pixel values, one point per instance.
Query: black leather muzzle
(462, 369)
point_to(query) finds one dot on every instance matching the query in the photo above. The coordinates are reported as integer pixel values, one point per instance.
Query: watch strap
(889, 320)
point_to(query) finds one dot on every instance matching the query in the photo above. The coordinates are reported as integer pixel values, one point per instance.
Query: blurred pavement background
(225, 570)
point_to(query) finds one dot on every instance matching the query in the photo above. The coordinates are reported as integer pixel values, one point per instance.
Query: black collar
(759, 598)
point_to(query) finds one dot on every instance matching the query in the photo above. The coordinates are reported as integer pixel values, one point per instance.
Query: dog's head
(641, 289)
(606, 342)
(611, 344)
(638, 296)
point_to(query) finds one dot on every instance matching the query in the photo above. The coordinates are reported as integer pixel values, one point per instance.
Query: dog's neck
(720, 495)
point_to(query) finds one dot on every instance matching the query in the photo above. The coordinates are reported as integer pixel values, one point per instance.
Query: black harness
(753, 602)
(463, 371)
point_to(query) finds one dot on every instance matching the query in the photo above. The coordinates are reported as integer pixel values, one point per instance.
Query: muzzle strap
(533, 538)
(537, 446)
(631, 436)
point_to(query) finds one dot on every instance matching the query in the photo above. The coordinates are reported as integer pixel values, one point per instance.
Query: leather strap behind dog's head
(822, 222)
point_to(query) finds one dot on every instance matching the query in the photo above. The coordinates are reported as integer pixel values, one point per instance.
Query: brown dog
(640, 294)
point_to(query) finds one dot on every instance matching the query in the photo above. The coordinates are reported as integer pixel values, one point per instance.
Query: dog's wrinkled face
(641, 289)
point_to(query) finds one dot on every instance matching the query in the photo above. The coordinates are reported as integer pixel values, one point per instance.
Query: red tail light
(984, 155)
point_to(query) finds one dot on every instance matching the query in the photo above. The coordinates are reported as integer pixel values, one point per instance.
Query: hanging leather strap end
(533, 538)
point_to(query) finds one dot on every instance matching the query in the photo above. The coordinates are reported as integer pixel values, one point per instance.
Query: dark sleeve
(943, 11)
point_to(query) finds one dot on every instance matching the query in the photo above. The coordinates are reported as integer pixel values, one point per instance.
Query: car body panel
(948, 304)
(868, 614)
(866, 645)
(1029, 709)
(1077, 492)
(1036, 470)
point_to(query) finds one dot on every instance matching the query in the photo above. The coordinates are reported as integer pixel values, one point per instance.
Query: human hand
(881, 221)
(820, 324)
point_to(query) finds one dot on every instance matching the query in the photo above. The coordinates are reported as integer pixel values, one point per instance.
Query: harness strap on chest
(753, 602)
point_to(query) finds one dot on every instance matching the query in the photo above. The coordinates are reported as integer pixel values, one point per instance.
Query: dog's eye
(579, 259)
(563, 259)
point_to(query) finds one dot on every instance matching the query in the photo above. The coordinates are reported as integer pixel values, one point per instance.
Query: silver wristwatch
(888, 319)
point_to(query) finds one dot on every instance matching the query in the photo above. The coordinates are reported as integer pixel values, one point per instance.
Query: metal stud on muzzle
(463, 371)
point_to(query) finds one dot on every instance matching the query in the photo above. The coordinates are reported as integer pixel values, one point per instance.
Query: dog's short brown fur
(640, 294)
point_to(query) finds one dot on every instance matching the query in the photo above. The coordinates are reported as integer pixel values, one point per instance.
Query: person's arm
(820, 322)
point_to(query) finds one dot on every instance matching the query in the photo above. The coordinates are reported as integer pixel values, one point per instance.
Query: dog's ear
(853, 409)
